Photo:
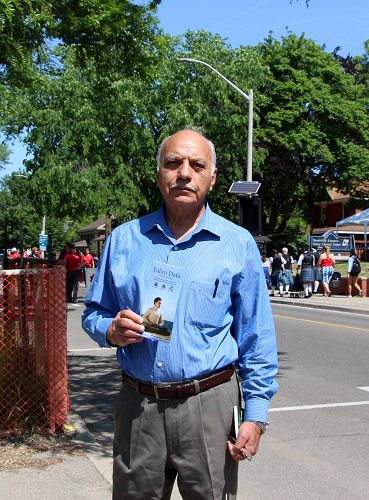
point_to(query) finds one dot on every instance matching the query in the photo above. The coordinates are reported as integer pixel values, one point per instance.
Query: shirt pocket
(203, 310)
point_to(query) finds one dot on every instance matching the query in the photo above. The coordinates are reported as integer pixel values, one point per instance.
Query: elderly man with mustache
(174, 412)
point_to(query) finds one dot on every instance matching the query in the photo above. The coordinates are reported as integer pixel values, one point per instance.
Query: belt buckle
(156, 387)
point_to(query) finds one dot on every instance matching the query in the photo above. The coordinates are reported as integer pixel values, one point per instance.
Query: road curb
(93, 450)
(312, 305)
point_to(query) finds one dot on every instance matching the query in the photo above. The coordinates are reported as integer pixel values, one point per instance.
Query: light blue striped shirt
(208, 332)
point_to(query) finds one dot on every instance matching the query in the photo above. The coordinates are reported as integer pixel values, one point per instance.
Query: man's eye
(171, 163)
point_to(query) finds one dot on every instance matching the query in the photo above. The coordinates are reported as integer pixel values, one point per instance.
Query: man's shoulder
(226, 226)
(144, 222)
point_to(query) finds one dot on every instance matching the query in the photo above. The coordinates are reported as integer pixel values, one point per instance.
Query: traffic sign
(337, 244)
(42, 242)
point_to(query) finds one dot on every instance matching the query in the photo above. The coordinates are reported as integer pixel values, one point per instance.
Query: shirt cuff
(256, 410)
(102, 329)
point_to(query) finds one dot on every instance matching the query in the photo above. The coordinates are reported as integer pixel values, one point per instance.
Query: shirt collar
(157, 219)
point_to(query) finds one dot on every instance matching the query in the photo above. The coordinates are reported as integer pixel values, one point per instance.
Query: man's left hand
(247, 439)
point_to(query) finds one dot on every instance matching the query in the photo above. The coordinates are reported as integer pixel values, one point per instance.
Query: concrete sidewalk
(94, 381)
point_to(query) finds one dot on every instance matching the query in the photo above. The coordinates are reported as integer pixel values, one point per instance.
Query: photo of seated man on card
(154, 321)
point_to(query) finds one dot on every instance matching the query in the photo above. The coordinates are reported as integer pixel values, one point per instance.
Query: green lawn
(342, 268)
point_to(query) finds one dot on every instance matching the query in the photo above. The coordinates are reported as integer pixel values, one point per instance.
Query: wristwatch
(262, 425)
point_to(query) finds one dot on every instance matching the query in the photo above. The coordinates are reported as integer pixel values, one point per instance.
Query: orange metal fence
(33, 350)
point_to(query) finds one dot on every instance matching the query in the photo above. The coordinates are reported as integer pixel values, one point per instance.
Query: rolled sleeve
(254, 330)
(101, 301)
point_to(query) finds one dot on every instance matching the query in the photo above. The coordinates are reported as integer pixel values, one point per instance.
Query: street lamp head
(185, 59)
(249, 97)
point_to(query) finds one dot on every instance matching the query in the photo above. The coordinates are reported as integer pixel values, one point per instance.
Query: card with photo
(160, 303)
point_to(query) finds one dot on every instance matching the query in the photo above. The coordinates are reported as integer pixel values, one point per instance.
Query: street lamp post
(43, 229)
(250, 99)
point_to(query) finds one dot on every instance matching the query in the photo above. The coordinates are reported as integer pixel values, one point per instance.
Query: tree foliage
(313, 126)
(103, 99)
(120, 28)
(4, 155)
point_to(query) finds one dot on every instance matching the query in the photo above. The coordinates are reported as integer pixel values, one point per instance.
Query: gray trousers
(156, 441)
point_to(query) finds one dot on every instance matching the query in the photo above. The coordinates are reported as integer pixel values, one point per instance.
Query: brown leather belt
(179, 390)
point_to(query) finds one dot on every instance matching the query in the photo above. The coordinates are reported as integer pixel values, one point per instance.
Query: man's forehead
(189, 141)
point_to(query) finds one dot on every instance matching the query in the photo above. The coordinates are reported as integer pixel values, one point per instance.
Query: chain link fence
(33, 351)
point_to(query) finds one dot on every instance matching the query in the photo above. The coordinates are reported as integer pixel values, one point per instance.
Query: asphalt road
(318, 441)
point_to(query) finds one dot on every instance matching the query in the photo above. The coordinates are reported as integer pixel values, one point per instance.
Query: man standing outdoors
(73, 265)
(87, 262)
(175, 408)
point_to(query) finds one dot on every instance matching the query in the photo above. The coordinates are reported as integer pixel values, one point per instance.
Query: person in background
(35, 253)
(87, 262)
(13, 254)
(352, 277)
(326, 263)
(306, 263)
(317, 271)
(175, 409)
(277, 263)
(266, 268)
(73, 265)
(87, 259)
(288, 278)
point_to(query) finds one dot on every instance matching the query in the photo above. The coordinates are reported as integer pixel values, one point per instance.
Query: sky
(334, 23)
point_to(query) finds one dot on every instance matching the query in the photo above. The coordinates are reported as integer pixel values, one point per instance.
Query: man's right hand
(126, 328)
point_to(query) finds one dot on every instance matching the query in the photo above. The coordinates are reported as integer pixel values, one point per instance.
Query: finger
(129, 314)
(129, 326)
(235, 452)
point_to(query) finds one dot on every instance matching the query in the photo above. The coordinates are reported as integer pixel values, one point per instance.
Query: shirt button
(175, 247)
(159, 365)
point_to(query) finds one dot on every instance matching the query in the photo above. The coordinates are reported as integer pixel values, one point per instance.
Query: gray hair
(213, 155)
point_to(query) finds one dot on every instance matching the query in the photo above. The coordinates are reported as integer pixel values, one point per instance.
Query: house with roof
(334, 214)
(92, 236)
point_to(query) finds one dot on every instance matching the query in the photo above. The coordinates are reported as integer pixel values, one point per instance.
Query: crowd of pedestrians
(14, 253)
(312, 269)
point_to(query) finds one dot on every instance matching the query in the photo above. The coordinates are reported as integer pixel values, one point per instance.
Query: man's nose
(184, 171)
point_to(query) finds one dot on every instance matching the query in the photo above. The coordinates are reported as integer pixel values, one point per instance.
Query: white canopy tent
(359, 219)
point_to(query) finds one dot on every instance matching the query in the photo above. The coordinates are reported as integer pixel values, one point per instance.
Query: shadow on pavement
(283, 364)
(94, 383)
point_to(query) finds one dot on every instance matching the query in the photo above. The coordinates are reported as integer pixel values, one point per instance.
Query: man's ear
(213, 179)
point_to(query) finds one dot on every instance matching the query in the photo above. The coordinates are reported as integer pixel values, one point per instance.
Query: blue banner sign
(337, 244)
(42, 242)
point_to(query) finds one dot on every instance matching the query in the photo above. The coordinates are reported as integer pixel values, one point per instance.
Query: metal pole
(249, 136)
(249, 97)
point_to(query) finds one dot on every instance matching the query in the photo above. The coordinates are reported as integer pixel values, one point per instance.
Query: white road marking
(364, 388)
(317, 407)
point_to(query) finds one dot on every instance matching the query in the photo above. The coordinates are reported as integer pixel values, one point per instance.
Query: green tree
(4, 155)
(81, 113)
(92, 27)
(313, 127)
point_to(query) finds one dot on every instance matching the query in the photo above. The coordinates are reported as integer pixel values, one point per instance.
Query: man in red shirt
(87, 259)
(13, 254)
(88, 262)
(73, 266)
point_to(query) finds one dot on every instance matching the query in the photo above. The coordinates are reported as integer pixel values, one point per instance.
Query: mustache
(183, 186)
